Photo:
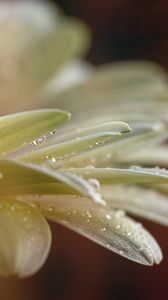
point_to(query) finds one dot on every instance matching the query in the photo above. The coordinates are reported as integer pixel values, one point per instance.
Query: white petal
(25, 239)
(108, 228)
(137, 200)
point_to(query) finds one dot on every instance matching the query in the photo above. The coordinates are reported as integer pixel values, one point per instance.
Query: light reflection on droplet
(38, 141)
(108, 216)
(94, 182)
(54, 131)
(103, 229)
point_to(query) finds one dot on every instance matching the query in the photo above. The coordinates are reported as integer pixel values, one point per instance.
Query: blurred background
(78, 269)
(124, 29)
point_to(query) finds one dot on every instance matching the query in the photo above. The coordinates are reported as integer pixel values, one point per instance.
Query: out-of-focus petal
(25, 239)
(33, 47)
(116, 88)
(106, 227)
(137, 200)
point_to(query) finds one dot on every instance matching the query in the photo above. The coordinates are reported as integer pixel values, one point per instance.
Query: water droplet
(54, 131)
(129, 233)
(50, 209)
(53, 159)
(98, 143)
(64, 221)
(118, 226)
(108, 216)
(38, 141)
(95, 183)
(25, 219)
(103, 229)
(34, 204)
(89, 215)
(1, 175)
(12, 208)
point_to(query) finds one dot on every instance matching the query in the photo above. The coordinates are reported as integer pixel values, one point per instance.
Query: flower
(84, 175)
(40, 180)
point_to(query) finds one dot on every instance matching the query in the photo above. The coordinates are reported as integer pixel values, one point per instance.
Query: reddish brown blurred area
(124, 29)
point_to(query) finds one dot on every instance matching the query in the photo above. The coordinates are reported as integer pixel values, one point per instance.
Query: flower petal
(17, 178)
(116, 152)
(20, 129)
(133, 175)
(33, 47)
(106, 227)
(56, 154)
(116, 86)
(137, 200)
(25, 239)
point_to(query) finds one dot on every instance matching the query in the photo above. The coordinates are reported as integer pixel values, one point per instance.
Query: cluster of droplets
(52, 160)
(38, 141)
(156, 170)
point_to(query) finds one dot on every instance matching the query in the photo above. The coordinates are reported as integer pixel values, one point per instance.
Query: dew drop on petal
(103, 229)
(108, 216)
(95, 183)
(54, 131)
(118, 226)
(50, 209)
(38, 141)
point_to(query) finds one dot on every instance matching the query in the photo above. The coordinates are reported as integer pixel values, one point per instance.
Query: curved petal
(137, 200)
(63, 151)
(118, 84)
(17, 178)
(19, 130)
(25, 239)
(106, 227)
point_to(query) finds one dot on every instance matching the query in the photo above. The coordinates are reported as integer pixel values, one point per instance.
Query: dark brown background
(124, 29)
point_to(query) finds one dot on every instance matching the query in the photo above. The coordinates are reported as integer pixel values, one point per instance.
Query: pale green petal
(57, 153)
(150, 156)
(133, 175)
(20, 129)
(106, 227)
(117, 151)
(137, 200)
(17, 178)
(25, 239)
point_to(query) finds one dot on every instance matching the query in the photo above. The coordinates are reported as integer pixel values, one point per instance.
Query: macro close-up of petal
(83, 146)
